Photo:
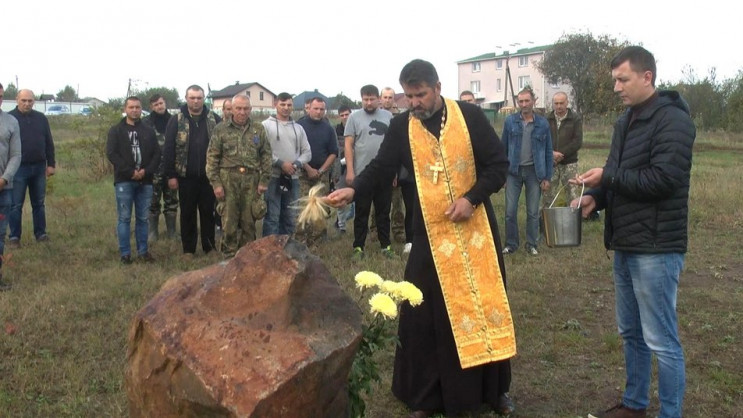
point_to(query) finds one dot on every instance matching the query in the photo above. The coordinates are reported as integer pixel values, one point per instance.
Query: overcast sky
(293, 46)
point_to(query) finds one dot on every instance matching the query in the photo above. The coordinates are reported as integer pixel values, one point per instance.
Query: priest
(454, 348)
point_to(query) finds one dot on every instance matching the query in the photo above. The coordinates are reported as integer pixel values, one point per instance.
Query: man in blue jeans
(133, 150)
(290, 152)
(644, 188)
(37, 163)
(10, 159)
(528, 143)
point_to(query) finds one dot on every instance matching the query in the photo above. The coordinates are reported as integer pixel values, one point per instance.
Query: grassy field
(65, 322)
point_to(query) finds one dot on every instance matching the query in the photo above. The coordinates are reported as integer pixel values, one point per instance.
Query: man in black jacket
(184, 163)
(644, 188)
(133, 150)
(37, 163)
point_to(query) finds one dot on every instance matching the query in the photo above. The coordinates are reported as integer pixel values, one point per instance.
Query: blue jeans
(139, 195)
(281, 217)
(5, 203)
(527, 178)
(32, 177)
(646, 287)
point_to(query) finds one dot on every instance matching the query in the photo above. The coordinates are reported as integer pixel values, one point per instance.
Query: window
(475, 67)
(498, 64)
(247, 92)
(475, 86)
(498, 85)
(524, 81)
(261, 96)
(523, 61)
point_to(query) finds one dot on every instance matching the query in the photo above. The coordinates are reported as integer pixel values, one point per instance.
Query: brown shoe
(619, 411)
(14, 243)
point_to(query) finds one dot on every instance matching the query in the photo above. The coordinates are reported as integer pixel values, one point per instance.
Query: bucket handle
(583, 189)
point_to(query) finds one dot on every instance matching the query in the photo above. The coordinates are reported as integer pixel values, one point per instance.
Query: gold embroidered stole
(464, 252)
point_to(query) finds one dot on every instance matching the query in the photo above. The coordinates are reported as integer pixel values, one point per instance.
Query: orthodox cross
(436, 169)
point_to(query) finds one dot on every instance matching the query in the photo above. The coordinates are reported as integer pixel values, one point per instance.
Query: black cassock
(427, 372)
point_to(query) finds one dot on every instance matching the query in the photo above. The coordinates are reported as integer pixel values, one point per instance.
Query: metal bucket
(562, 225)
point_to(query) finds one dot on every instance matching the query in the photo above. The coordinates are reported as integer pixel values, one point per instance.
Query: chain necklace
(443, 120)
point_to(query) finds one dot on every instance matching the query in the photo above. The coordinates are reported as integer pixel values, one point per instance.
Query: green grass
(72, 302)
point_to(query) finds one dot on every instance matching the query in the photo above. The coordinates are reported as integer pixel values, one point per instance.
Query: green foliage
(705, 97)
(340, 100)
(378, 335)
(172, 99)
(114, 104)
(583, 61)
(67, 94)
(11, 91)
(733, 116)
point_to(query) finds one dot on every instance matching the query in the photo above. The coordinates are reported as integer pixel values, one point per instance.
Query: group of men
(454, 349)
(239, 170)
(26, 160)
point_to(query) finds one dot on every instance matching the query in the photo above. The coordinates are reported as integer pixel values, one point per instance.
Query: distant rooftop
(506, 54)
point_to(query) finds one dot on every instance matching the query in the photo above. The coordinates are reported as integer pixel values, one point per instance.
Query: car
(86, 111)
(57, 110)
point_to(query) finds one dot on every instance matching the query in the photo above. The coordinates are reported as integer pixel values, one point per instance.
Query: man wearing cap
(238, 165)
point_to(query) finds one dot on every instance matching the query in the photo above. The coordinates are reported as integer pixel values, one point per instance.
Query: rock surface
(268, 333)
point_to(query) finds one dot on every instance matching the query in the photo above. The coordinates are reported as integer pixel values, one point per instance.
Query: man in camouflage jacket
(158, 120)
(184, 163)
(238, 165)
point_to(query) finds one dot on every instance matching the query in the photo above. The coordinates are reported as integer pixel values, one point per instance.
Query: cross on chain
(436, 169)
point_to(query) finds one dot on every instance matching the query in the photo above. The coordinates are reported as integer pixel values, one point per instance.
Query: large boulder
(268, 333)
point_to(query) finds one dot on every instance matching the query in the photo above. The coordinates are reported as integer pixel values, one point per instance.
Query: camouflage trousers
(238, 223)
(397, 215)
(560, 176)
(310, 234)
(169, 196)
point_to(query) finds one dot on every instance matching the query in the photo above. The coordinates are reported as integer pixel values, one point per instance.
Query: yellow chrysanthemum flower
(383, 304)
(411, 293)
(367, 279)
(392, 289)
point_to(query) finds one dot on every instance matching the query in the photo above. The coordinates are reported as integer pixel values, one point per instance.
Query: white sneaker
(532, 251)
(406, 249)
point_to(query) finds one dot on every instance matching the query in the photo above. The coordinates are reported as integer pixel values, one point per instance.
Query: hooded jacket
(288, 143)
(645, 183)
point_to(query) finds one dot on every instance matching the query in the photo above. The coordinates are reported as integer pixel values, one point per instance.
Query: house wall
(489, 75)
(255, 99)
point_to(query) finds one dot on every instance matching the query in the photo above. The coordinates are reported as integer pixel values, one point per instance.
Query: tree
(11, 91)
(733, 120)
(339, 100)
(115, 103)
(169, 94)
(706, 98)
(67, 94)
(583, 61)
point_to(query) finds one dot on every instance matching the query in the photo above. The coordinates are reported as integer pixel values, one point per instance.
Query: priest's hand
(340, 197)
(460, 210)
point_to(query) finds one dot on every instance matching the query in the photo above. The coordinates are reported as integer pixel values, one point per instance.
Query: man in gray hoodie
(10, 160)
(291, 151)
